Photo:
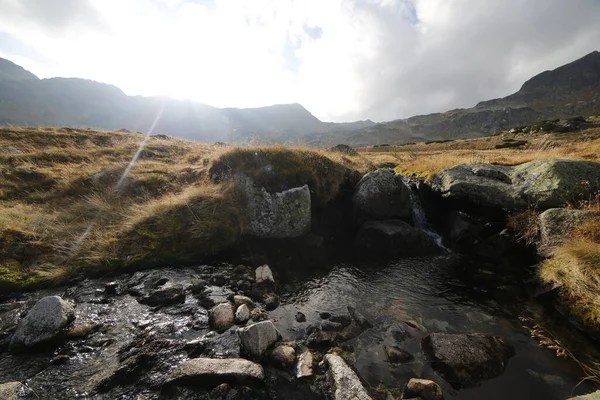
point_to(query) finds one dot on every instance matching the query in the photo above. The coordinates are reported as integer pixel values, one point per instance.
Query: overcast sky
(341, 59)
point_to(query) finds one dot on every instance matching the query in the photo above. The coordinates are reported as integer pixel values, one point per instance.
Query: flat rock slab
(212, 372)
(44, 322)
(344, 381)
(464, 360)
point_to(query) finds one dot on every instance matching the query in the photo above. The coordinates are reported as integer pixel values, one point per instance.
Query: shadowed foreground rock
(464, 360)
(257, 338)
(43, 323)
(212, 372)
(344, 382)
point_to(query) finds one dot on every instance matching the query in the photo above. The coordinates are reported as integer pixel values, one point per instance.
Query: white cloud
(379, 59)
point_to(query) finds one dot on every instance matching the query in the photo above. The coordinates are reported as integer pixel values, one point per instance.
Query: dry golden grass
(65, 206)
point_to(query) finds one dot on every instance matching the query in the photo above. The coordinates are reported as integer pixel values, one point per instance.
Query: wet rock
(396, 355)
(359, 318)
(257, 338)
(331, 326)
(81, 331)
(211, 372)
(220, 392)
(13, 391)
(45, 322)
(163, 296)
(111, 288)
(242, 314)
(195, 348)
(280, 215)
(258, 315)
(264, 278)
(239, 300)
(60, 359)
(271, 302)
(324, 315)
(221, 317)
(284, 355)
(342, 319)
(218, 279)
(395, 237)
(423, 388)
(159, 282)
(383, 195)
(300, 317)
(464, 360)
(345, 383)
(197, 285)
(304, 368)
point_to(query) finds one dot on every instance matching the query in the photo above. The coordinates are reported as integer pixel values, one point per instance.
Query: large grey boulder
(344, 382)
(464, 360)
(45, 322)
(280, 215)
(213, 372)
(221, 317)
(555, 225)
(395, 237)
(383, 195)
(257, 338)
(542, 184)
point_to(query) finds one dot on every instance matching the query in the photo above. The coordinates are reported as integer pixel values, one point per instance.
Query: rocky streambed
(390, 314)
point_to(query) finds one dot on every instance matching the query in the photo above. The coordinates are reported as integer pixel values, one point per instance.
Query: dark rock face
(173, 294)
(383, 195)
(395, 237)
(464, 360)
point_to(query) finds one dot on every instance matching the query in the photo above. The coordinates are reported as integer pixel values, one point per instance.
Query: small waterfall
(420, 218)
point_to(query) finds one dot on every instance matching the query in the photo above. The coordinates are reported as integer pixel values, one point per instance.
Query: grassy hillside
(70, 200)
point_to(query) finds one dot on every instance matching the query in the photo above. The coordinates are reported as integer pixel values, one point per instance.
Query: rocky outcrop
(257, 338)
(209, 371)
(45, 322)
(556, 223)
(382, 195)
(284, 355)
(395, 237)
(280, 215)
(221, 317)
(344, 381)
(464, 360)
(541, 184)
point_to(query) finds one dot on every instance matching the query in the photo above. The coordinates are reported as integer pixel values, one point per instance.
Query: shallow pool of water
(428, 294)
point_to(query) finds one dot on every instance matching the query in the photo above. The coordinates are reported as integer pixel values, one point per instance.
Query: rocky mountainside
(573, 89)
(27, 100)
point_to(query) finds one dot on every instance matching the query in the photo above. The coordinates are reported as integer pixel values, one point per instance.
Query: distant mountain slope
(570, 90)
(27, 100)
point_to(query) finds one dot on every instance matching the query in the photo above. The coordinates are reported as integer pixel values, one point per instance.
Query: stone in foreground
(221, 317)
(210, 371)
(242, 314)
(344, 382)
(464, 360)
(424, 388)
(304, 369)
(45, 322)
(284, 355)
(257, 338)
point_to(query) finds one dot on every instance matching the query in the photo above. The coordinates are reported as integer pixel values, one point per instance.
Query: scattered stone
(45, 322)
(383, 195)
(342, 319)
(165, 295)
(199, 371)
(300, 317)
(12, 390)
(239, 300)
(271, 302)
(257, 338)
(198, 285)
(242, 315)
(221, 317)
(280, 215)
(555, 223)
(464, 360)
(345, 383)
(396, 355)
(258, 315)
(284, 355)
(395, 237)
(264, 278)
(111, 288)
(359, 318)
(424, 388)
(218, 279)
(304, 368)
(220, 392)
(81, 331)
(330, 326)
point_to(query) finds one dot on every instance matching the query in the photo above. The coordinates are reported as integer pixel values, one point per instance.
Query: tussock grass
(64, 207)
(526, 226)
